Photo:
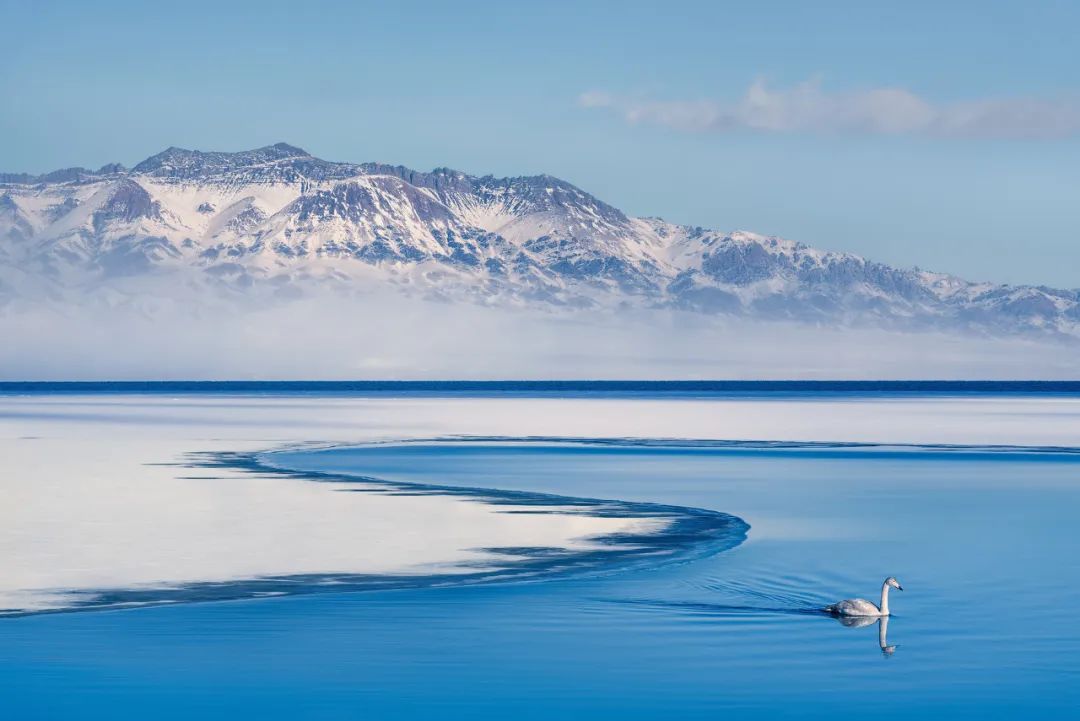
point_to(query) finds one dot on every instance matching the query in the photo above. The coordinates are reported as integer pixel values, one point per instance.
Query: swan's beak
(899, 587)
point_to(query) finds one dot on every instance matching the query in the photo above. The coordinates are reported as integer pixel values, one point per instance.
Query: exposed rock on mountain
(279, 220)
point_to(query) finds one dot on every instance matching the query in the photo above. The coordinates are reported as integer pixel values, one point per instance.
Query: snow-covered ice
(94, 496)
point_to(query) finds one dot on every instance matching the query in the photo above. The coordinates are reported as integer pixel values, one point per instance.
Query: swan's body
(862, 607)
(855, 607)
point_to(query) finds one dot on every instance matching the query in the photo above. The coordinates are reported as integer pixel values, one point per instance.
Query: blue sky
(943, 135)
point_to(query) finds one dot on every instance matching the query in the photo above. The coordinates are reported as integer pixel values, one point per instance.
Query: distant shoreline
(555, 387)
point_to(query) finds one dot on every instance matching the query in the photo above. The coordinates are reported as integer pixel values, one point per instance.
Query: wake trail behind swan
(784, 595)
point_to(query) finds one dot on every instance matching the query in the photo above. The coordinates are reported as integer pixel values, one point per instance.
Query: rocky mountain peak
(280, 218)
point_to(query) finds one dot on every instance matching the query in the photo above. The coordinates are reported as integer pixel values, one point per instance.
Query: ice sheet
(90, 500)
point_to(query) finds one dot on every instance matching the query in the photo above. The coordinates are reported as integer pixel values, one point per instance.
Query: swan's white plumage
(862, 607)
(854, 607)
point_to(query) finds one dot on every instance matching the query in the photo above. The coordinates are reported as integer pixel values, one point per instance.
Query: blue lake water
(983, 540)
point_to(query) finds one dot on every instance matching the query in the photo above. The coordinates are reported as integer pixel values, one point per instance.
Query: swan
(862, 607)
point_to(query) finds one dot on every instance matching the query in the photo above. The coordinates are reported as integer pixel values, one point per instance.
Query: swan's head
(891, 581)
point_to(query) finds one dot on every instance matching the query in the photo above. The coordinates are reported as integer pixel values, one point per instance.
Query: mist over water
(376, 337)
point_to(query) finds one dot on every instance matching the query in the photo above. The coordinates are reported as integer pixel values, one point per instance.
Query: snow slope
(278, 222)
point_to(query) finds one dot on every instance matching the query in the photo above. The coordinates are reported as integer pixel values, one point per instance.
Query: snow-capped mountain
(277, 220)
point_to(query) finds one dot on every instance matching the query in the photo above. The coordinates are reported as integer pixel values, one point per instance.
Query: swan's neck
(884, 599)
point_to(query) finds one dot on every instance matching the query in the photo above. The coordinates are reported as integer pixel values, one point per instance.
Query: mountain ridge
(278, 220)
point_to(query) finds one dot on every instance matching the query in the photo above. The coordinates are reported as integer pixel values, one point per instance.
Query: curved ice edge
(688, 533)
(736, 445)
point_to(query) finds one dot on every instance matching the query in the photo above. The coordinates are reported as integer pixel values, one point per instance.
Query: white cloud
(808, 108)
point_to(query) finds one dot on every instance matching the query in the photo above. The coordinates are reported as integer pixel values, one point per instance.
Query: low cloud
(808, 108)
(328, 337)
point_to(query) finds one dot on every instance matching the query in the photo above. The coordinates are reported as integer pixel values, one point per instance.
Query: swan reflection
(882, 632)
(722, 612)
